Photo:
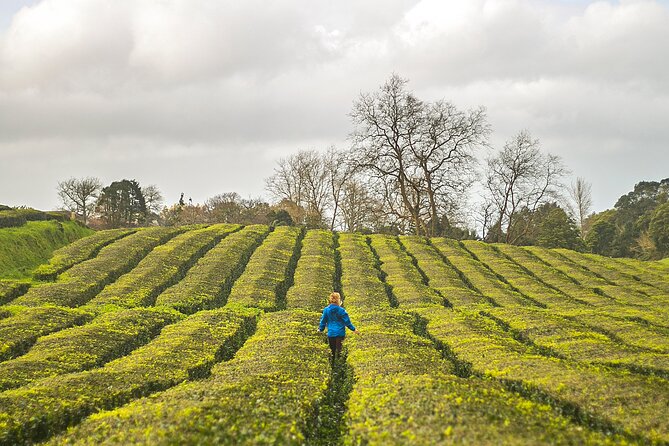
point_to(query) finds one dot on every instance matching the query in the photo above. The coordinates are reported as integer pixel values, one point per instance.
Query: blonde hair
(335, 298)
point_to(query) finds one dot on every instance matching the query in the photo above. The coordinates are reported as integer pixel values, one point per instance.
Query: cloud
(100, 83)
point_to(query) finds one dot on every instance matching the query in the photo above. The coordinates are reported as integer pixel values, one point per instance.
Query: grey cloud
(207, 94)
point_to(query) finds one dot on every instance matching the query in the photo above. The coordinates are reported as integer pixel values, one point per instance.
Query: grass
(24, 248)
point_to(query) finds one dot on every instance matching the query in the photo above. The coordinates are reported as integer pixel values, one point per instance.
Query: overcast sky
(203, 96)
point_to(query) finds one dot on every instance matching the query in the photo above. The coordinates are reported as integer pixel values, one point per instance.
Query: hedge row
(18, 217)
(482, 279)
(161, 268)
(24, 248)
(207, 284)
(20, 331)
(78, 251)
(315, 272)
(442, 276)
(630, 332)
(603, 304)
(185, 350)
(264, 396)
(553, 277)
(269, 273)
(84, 280)
(613, 273)
(645, 271)
(519, 278)
(107, 337)
(608, 400)
(356, 258)
(654, 273)
(402, 274)
(588, 278)
(405, 393)
(577, 341)
(11, 289)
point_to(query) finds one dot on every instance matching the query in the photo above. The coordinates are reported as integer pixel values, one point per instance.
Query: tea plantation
(208, 335)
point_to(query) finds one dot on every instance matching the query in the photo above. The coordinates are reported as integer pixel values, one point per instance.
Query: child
(336, 319)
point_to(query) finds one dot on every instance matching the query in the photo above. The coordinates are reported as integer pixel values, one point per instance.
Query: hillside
(207, 335)
(24, 247)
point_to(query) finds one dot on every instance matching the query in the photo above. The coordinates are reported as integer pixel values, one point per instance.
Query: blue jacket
(336, 318)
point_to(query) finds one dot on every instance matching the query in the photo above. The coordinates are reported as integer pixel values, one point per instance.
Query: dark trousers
(335, 345)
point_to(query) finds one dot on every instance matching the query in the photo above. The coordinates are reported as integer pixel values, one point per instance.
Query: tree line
(413, 167)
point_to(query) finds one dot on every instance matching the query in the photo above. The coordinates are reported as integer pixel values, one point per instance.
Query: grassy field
(207, 335)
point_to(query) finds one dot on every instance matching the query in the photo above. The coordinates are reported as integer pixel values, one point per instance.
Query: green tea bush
(598, 397)
(164, 266)
(84, 280)
(481, 278)
(11, 289)
(442, 276)
(182, 351)
(269, 273)
(315, 272)
(20, 331)
(208, 283)
(264, 396)
(78, 251)
(404, 392)
(106, 337)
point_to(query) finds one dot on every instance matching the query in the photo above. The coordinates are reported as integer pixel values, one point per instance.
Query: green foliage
(441, 275)
(558, 230)
(594, 396)
(659, 228)
(122, 204)
(208, 283)
(539, 346)
(404, 392)
(480, 278)
(78, 251)
(19, 216)
(108, 336)
(163, 267)
(262, 396)
(621, 232)
(403, 278)
(183, 350)
(11, 289)
(20, 331)
(269, 272)
(24, 248)
(86, 279)
(315, 272)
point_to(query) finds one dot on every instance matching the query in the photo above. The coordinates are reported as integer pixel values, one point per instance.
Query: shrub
(183, 350)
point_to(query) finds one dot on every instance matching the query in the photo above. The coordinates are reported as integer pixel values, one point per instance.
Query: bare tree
(421, 155)
(310, 180)
(340, 171)
(359, 210)
(224, 208)
(388, 124)
(79, 195)
(519, 178)
(287, 181)
(581, 196)
(153, 198)
(445, 156)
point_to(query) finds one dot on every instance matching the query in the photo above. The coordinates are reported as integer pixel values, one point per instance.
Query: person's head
(335, 298)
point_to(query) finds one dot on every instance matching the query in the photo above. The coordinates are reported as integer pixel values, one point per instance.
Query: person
(336, 319)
